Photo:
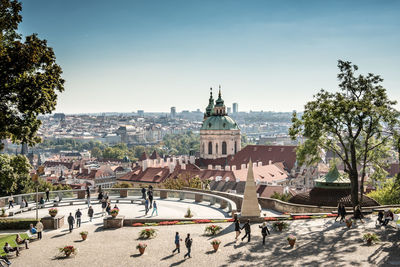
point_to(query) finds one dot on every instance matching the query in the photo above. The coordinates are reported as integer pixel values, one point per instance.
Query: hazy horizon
(126, 56)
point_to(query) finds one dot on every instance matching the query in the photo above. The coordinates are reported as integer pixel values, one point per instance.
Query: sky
(122, 56)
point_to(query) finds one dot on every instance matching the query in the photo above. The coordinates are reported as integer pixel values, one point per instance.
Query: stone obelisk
(250, 207)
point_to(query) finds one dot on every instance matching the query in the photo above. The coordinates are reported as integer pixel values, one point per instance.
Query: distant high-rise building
(235, 107)
(228, 109)
(140, 113)
(173, 112)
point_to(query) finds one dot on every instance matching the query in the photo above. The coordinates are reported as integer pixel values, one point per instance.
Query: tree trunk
(354, 188)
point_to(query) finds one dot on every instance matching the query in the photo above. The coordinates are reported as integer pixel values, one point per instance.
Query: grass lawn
(10, 239)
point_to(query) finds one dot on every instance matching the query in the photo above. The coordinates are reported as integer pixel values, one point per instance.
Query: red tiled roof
(265, 154)
(150, 175)
(67, 164)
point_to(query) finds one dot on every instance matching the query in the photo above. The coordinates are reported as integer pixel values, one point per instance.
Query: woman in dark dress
(237, 228)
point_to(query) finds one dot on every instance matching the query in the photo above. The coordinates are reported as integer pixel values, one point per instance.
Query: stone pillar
(198, 198)
(110, 222)
(212, 201)
(250, 207)
(81, 194)
(181, 196)
(123, 193)
(53, 222)
(163, 194)
(223, 204)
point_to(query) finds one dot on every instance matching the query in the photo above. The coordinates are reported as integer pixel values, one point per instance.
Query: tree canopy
(355, 123)
(29, 78)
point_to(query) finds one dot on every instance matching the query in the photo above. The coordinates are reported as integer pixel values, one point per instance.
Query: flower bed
(168, 223)
(202, 221)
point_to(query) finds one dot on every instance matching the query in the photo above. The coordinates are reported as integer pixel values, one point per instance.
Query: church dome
(219, 123)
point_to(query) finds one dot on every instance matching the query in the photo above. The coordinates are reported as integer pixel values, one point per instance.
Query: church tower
(219, 134)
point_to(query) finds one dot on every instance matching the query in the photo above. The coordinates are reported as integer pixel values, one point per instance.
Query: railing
(124, 193)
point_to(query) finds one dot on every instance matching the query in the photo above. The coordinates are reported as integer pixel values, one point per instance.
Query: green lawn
(10, 239)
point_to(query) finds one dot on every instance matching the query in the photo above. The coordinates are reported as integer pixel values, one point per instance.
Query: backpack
(188, 242)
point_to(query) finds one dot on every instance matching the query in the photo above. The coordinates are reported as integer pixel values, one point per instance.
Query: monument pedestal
(110, 222)
(53, 222)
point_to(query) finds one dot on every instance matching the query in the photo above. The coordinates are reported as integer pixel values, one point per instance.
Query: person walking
(358, 214)
(343, 213)
(154, 209)
(188, 244)
(39, 229)
(71, 222)
(146, 206)
(10, 202)
(90, 213)
(177, 243)
(78, 215)
(103, 205)
(237, 228)
(26, 203)
(264, 231)
(143, 193)
(247, 229)
(339, 210)
(47, 195)
(108, 209)
(100, 196)
(88, 196)
(150, 195)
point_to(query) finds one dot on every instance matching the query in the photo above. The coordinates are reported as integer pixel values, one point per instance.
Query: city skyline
(269, 56)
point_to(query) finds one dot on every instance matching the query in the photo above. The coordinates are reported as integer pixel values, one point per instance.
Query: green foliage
(184, 181)
(147, 233)
(14, 174)
(181, 144)
(283, 197)
(351, 123)
(10, 239)
(16, 224)
(189, 213)
(212, 229)
(122, 185)
(29, 78)
(386, 194)
(371, 237)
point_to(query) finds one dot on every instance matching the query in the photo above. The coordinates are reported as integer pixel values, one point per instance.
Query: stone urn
(292, 242)
(84, 236)
(280, 227)
(349, 223)
(141, 250)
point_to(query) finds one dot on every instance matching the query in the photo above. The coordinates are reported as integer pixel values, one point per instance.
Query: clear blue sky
(267, 55)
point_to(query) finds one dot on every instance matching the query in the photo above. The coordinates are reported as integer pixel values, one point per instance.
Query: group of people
(148, 201)
(7, 248)
(385, 217)
(188, 244)
(247, 229)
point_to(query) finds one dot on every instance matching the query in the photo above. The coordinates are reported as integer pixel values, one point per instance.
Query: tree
(14, 174)
(29, 78)
(353, 124)
(96, 152)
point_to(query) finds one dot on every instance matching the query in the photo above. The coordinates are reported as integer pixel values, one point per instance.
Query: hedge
(16, 224)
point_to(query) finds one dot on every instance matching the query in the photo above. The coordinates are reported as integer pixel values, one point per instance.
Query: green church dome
(219, 123)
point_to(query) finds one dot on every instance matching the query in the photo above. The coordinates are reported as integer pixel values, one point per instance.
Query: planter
(141, 250)
(84, 237)
(67, 253)
(114, 215)
(349, 224)
(280, 227)
(215, 246)
(53, 214)
(369, 241)
(292, 242)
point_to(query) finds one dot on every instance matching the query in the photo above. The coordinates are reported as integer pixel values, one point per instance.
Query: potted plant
(68, 250)
(213, 229)
(53, 212)
(114, 212)
(371, 237)
(84, 234)
(291, 239)
(189, 213)
(348, 222)
(141, 247)
(215, 243)
(147, 233)
(3, 213)
(280, 226)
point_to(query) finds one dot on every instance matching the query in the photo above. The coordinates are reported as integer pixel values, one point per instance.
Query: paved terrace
(320, 242)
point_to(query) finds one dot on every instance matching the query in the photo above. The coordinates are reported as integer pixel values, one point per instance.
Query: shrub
(147, 233)
(122, 185)
(68, 250)
(283, 225)
(141, 245)
(371, 237)
(189, 213)
(279, 196)
(215, 242)
(291, 237)
(213, 229)
(84, 233)
(15, 224)
(387, 194)
(3, 213)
